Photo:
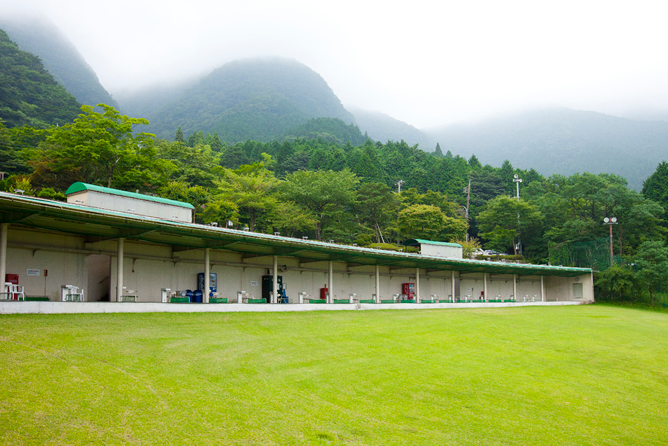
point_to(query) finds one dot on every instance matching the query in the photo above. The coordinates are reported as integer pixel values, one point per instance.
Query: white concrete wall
(63, 268)
(561, 288)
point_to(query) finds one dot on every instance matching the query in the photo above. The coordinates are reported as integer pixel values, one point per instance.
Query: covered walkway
(113, 254)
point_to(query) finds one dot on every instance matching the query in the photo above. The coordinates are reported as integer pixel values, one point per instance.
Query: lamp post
(517, 180)
(467, 191)
(610, 222)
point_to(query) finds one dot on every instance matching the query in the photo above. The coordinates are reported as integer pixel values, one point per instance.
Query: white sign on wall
(254, 283)
(33, 272)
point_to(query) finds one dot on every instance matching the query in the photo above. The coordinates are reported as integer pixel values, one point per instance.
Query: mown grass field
(580, 375)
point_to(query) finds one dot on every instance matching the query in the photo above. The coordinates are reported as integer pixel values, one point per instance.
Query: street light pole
(610, 222)
(467, 191)
(517, 180)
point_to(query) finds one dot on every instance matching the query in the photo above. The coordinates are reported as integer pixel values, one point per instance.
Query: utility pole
(517, 180)
(467, 190)
(399, 183)
(610, 222)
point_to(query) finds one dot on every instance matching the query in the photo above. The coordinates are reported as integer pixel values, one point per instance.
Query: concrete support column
(207, 274)
(4, 230)
(274, 287)
(542, 290)
(377, 284)
(515, 287)
(119, 270)
(452, 286)
(417, 285)
(330, 279)
(484, 286)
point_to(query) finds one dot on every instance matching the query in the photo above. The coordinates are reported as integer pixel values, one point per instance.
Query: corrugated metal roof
(80, 187)
(416, 241)
(94, 224)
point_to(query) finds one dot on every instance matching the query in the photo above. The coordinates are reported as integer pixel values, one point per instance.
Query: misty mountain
(383, 128)
(29, 95)
(147, 102)
(563, 141)
(60, 57)
(257, 99)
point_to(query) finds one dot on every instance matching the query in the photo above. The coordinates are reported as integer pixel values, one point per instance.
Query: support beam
(417, 285)
(4, 230)
(207, 274)
(484, 286)
(452, 286)
(274, 297)
(377, 284)
(119, 270)
(515, 287)
(542, 289)
(330, 278)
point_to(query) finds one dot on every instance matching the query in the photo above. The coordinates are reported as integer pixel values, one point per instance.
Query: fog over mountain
(563, 141)
(59, 56)
(382, 127)
(423, 63)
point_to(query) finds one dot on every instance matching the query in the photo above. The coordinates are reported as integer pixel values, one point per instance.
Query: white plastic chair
(16, 292)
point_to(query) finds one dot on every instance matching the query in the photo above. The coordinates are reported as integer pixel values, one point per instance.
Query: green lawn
(578, 375)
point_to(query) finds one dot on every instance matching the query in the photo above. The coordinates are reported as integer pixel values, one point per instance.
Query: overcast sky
(424, 62)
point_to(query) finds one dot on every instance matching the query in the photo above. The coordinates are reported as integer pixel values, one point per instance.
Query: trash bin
(190, 295)
(198, 296)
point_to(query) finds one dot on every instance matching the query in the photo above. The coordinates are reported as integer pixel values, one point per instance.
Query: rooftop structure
(129, 202)
(436, 249)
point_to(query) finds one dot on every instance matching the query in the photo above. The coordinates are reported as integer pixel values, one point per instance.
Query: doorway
(99, 277)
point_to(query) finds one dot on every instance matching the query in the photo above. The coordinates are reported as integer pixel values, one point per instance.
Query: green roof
(100, 224)
(418, 241)
(80, 187)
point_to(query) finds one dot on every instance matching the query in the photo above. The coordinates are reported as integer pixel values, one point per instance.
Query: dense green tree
(179, 136)
(290, 219)
(652, 263)
(324, 193)
(617, 279)
(655, 186)
(100, 148)
(376, 206)
(500, 226)
(251, 188)
(421, 221)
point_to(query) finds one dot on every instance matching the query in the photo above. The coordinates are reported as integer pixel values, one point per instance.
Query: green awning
(97, 224)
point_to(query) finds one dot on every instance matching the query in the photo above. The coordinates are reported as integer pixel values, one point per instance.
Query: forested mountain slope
(60, 58)
(29, 95)
(564, 141)
(329, 130)
(256, 99)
